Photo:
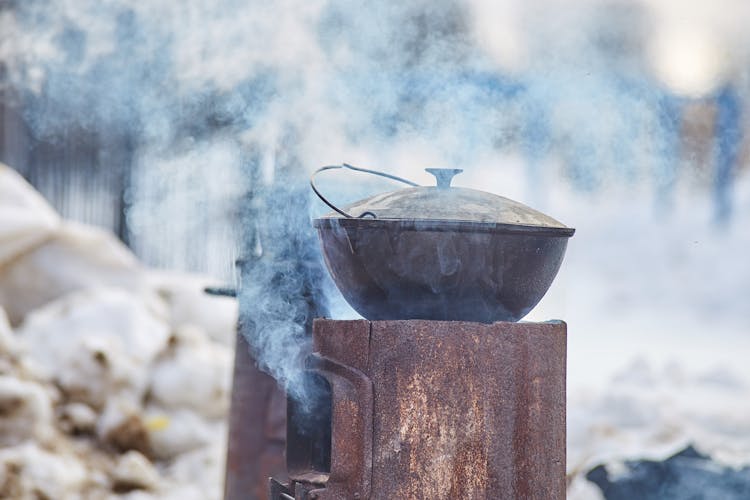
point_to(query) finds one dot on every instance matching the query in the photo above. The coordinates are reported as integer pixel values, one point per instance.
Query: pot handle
(357, 169)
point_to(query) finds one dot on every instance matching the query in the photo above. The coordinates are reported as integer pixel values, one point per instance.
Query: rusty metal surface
(351, 422)
(279, 491)
(255, 450)
(348, 342)
(461, 410)
(347, 472)
(468, 410)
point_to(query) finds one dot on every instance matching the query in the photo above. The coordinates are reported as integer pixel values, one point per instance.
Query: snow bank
(114, 379)
(26, 219)
(43, 258)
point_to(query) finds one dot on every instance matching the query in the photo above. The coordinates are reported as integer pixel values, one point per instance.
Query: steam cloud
(209, 90)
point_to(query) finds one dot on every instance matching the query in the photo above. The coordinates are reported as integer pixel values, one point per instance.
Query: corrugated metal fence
(88, 177)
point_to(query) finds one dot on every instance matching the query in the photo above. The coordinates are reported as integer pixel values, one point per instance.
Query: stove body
(429, 409)
(257, 429)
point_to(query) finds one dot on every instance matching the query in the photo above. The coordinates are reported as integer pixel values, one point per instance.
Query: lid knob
(444, 176)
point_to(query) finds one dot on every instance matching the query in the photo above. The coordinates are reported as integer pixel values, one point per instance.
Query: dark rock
(687, 475)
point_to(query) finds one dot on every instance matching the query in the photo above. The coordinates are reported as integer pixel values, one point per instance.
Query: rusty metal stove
(430, 409)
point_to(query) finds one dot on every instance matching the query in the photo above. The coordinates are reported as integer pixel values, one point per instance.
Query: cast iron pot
(440, 252)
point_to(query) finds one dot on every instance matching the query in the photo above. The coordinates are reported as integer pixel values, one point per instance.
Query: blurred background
(627, 120)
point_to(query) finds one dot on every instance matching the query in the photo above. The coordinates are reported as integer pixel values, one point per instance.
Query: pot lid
(445, 203)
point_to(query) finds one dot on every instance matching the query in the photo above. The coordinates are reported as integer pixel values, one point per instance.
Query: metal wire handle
(357, 169)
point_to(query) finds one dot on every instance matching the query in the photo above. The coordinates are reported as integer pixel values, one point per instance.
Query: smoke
(207, 92)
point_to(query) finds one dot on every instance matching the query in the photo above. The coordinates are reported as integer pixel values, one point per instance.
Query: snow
(94, 343)
(648, 413)
(26, 410)
(133, 471)
(25, 217)
(32, 472)
(192, 357)
(73, 257)
(188, 304)
(114, 379)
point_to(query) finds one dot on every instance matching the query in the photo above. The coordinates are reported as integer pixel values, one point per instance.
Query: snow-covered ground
(114, 379)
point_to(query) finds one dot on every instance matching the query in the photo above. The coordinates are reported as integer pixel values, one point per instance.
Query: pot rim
(439, 225)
